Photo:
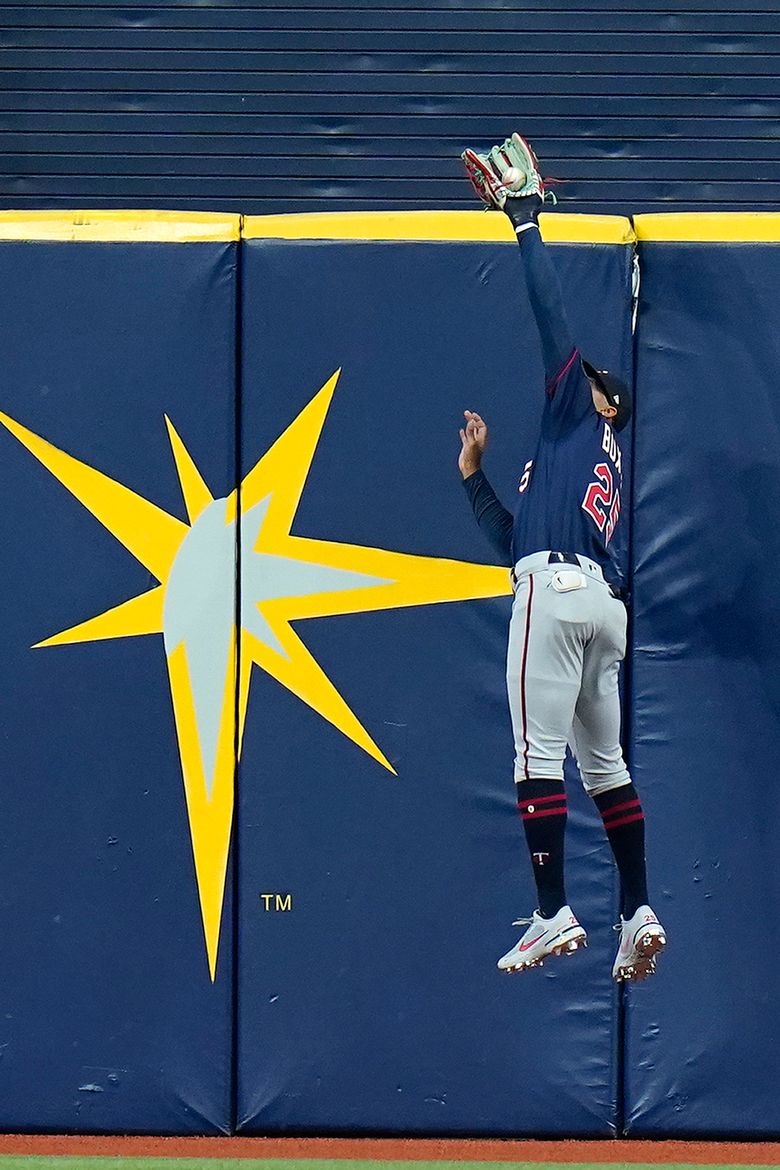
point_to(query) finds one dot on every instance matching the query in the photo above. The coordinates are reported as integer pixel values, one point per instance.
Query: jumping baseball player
(567, 634)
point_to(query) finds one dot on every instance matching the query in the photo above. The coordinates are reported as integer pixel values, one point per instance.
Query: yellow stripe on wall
(557, 228)
(173, 227)
(710, 227)
(434, 225)
(202, 226)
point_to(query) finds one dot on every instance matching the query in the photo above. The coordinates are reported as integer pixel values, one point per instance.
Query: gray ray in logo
(199, 607)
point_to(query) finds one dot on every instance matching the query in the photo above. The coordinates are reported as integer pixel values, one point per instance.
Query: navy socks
(542, 805)
(624, 821)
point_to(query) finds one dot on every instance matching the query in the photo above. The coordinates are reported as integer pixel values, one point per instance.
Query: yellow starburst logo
(283, 579)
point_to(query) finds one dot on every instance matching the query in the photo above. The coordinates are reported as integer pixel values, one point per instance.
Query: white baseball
(514, 177)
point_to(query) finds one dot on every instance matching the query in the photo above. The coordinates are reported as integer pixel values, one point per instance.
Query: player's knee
(595, 785)
(545, 770)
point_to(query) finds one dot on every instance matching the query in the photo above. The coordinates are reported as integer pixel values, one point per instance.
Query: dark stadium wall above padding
(702, 1039)
(302, 105)
(381, 860)
(118, 570)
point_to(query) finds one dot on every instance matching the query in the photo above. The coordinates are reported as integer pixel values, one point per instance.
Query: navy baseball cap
(614, 390)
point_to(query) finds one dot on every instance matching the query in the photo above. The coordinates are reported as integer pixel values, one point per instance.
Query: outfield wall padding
(374, 1005)
(110, 1021)
(702, 1038)
(155, 409)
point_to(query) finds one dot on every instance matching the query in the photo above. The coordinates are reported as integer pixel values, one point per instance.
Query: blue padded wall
(374, 1004)
(110, 1021)
(702, 1040)
(373, 906)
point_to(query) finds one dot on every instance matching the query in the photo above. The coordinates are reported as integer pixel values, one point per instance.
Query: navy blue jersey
(570, 494)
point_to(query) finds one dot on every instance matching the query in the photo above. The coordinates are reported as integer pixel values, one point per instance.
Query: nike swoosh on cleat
(528, 946)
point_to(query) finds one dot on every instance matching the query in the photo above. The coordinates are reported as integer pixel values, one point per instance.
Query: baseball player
(567, 634)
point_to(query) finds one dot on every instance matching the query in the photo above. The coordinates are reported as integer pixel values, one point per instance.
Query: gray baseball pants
(567, 638)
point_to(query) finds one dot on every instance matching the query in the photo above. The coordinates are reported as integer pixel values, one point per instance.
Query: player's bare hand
(473, 441)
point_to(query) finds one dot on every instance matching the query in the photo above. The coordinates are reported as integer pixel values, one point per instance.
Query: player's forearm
(491, 515)
(544, 293)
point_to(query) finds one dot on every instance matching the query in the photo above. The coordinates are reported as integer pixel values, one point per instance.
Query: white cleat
(561, 935)
(642, 938)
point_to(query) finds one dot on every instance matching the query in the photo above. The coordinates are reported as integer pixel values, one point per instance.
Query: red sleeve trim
(553, 385)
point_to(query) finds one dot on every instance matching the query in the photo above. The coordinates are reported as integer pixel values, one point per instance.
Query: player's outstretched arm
(492, 517)
(508, 178)
(544, 293)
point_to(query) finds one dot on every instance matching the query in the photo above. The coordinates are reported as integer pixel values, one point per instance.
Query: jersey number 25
(602, 501)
